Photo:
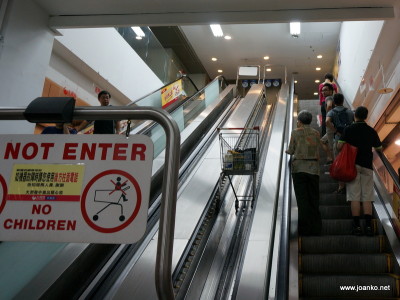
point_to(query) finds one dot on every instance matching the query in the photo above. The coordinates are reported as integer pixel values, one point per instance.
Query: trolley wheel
(95, 217)
(121, 218)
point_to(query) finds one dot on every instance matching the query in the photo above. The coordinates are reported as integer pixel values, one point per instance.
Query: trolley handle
(239, 128)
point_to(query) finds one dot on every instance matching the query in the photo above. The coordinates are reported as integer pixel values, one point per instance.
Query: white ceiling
(251, 40)
(250, 43)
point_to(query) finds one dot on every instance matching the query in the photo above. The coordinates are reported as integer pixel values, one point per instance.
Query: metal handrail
(163, 276)
(165, 85)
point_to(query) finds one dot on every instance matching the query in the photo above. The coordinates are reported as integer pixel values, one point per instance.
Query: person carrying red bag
(360, 190)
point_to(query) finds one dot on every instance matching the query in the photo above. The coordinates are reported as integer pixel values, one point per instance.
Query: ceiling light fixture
(315, 94)
(397, 142)
(138, 37)
(318, 69)
(214, 59)
(319, 56)
(220, 71)
(269, 70)
(216, 30)
(138, 31)
(227, 37)
(295, 81)
(266, 57)
(317, 81)
(295, 29)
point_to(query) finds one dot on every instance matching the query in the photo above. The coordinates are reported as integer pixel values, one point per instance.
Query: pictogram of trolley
(112, 197)
(239, 148)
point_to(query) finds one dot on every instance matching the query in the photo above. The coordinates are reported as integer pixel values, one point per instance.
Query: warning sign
(74, 188)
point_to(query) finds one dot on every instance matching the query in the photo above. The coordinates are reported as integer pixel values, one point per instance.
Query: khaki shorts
(362, 187)
(328, 139)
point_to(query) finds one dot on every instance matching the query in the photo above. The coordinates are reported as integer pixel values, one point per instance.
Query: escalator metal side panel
(256, 264)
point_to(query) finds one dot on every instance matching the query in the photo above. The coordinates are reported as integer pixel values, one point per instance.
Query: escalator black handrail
(389, 168)
(159, 89)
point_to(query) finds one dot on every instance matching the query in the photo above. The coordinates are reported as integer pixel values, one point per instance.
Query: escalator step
(335, 212)
(333, 199)
(346, 286)
(328, 187)
(342, 226)
(341, 244)
(325, 177)
(346, 263)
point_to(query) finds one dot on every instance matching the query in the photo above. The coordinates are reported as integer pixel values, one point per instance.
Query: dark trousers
(306, 188)
(323, 114)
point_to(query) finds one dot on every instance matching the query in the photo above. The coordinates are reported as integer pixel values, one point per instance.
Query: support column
(24, 57)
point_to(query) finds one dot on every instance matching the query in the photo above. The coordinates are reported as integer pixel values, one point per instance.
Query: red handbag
(343, 167)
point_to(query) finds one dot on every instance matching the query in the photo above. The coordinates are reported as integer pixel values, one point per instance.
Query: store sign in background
(171, 93)
(74, 188)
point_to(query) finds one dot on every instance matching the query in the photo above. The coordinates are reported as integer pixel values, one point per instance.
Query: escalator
(278, 264)
(40, 269)
(338, 264)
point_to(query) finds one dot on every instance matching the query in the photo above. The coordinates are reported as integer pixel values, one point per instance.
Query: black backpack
(341, 120)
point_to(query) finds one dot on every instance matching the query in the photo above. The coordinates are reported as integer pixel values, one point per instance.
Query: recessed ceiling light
(318, 69)
(220, 71)
(315, 94)
(216, 30)
(295, 81)
(319, 56)
(317, 81)
(214, 59)
(228, 37)
(138, 31)
(295, 29)
(266, 57)
(269, 70)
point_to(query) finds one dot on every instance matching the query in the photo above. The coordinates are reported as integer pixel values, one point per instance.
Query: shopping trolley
(110, 198)
(239, 156)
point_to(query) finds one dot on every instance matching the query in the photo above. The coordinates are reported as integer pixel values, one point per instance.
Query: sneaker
(357, 231)
(369, 231)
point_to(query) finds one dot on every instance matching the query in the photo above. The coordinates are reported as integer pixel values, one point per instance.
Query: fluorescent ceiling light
(216, 30)
(315, 94)
(317, 81)
(220, 71)
(295, 29)
(318, 69)
(269, 70)
(319, 56)
(228, 37)
(266, 57)
(138, 31)
(214, 59)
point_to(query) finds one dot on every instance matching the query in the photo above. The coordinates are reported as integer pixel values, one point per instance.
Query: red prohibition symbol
(3, 189)
(120, 187)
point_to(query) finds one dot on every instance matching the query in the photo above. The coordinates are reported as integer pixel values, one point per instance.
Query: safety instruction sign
(74, 188)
